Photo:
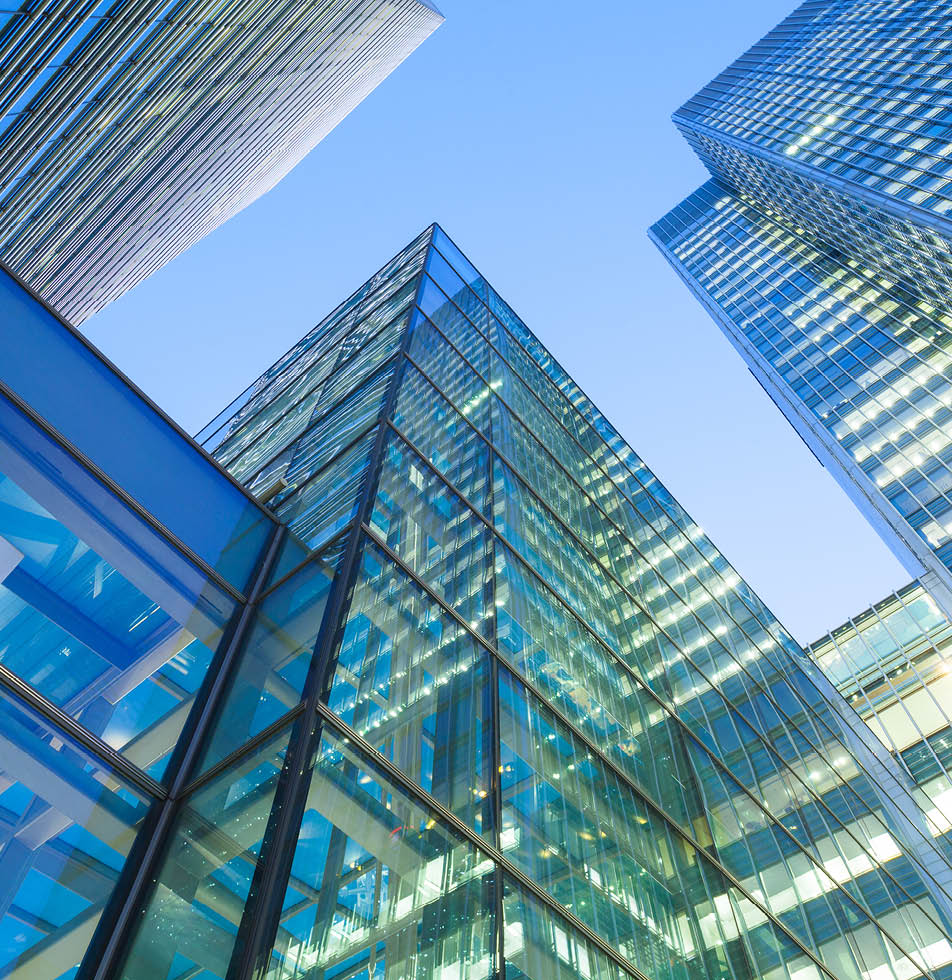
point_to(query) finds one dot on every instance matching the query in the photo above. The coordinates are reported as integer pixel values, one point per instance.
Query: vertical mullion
(103, 957)
(261, 916)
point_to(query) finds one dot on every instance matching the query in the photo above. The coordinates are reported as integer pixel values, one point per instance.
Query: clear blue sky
(538, 134)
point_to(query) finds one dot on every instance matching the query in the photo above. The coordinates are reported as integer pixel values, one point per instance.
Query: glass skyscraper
(448, 687)
(821, 247)
(129, 129)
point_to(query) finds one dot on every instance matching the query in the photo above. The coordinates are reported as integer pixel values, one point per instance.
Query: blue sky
(538, 134)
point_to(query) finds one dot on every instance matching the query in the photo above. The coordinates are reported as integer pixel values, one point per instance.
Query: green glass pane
(414, 683)
(379, 886)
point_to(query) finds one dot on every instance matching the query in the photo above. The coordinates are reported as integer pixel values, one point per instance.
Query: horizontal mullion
(79, 733)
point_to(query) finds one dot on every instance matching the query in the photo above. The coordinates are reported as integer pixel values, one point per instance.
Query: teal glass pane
(444, 436)
(414, 683)
(542, 945)
(455, 379)
(558, 653)
(433, 530)
(328, 501)
(379, 886)
(573, 826)
(190, 921)
(273, 665)
(66, 826)
(103, 629)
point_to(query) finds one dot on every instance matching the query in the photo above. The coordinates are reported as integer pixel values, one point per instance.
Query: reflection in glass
(415, 684)
(541, 945)
(66, 826)
(189, 926)
(273, 665)
(84, 632)
(380, 888)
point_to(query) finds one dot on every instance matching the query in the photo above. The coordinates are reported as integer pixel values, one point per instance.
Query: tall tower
(130, 129)
(526, 712)
(821, 248)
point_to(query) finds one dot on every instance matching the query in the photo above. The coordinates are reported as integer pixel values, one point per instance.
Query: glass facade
(129, 129)
(821, 247)
(893, 663)
(489, 703)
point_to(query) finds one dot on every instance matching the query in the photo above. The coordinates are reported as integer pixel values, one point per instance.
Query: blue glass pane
(85, 400)
(97, 612)
(66, 826)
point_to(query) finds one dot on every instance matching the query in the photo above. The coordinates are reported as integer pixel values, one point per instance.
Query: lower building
(424, 674)
(893, 664)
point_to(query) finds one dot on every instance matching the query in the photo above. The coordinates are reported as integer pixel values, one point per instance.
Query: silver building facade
(129, 129)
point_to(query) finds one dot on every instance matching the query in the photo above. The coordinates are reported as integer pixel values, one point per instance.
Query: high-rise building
(470, 697)
(130, 129)
(821, 247)
(892, 663)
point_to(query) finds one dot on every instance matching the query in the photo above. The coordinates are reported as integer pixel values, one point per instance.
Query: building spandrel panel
(130, 129)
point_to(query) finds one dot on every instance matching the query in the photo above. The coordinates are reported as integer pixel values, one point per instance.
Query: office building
(892, 664)
(820, 246)
(130, 129)
(450, 686)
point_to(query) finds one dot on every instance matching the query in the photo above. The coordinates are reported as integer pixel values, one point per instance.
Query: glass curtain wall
(503, 709)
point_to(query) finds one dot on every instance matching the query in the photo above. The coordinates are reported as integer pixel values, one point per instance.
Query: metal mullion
(115, 931)
(261, 915)
(246, 748)
(620, 774)
(815, 717)
(52, 713)
(502, 863)
(785, 767)
(309, 557)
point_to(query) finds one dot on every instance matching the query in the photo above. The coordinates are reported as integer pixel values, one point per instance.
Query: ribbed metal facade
(130, 129)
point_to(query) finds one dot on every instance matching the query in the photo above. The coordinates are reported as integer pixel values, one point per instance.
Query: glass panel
(97, 410)
(456, 380)
(318, 509)
(189, 925)
(66, 827)
(436, 533)
(379, 887)
(572, 825)
(273, 666)
(444, 437)
(94, 615)
(415, 684)
(541, 945)
(326, 436)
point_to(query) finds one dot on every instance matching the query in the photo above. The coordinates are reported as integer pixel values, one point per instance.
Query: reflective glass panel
(66, 826)
(190, 923)
(380, 888)
(414, 683)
